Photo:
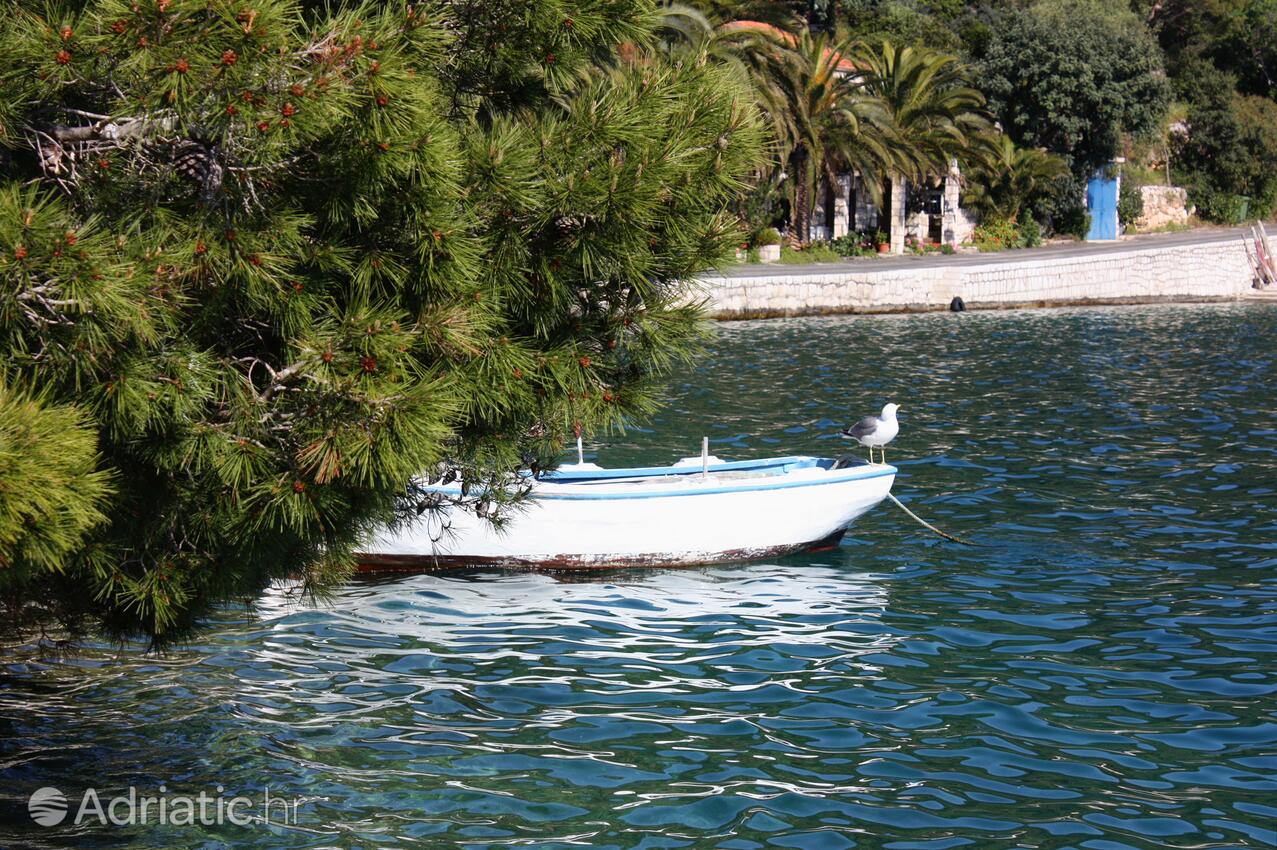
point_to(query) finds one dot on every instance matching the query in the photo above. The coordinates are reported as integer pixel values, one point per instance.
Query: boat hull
(607, 525)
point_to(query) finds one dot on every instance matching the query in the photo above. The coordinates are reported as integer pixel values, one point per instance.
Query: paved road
(1062, 250)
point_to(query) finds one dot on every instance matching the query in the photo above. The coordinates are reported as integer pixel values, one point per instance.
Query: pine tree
(281, 260)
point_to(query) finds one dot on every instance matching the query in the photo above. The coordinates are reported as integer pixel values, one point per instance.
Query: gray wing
(863, 428)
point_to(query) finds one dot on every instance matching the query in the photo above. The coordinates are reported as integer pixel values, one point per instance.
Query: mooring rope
(926, 524)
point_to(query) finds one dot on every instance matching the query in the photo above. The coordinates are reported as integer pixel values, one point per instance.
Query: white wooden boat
(698, 511)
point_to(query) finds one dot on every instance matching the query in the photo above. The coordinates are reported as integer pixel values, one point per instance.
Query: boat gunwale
(856, 473)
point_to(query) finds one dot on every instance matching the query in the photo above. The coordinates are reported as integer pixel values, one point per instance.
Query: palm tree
(1008, 178)
(937, 113)
(841, 125)
(823, 120)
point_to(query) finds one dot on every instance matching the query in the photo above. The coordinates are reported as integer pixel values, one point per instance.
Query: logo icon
(48, 806)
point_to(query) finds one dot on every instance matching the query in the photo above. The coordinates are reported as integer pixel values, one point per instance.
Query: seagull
(876, 430)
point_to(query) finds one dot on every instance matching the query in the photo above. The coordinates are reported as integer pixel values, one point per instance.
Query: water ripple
(1099, 673)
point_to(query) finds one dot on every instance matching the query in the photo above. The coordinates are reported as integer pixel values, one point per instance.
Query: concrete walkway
(1061, 251)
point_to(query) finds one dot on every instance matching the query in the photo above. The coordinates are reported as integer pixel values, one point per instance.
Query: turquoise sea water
(1100, 672)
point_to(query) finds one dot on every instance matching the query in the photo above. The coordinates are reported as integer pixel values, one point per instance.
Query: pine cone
(198, 163)
(567, 225)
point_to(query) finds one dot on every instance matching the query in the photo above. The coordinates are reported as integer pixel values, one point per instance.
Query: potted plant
(768, 244)
(884, 242)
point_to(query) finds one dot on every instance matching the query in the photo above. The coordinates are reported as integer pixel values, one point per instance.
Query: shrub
(1217, 206)
(1030, 233)
(996, 235)
(1130, 204)
(853, 245)
(816, 252)
(766, 236)
(1075, 222)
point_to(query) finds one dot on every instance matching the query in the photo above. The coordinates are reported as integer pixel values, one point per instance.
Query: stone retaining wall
(1208, 271)
(1163, 205)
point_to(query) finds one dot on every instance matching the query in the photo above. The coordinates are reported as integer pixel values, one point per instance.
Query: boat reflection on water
(448, 612)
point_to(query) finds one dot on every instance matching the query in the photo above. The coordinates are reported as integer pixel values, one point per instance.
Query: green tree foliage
(52, 495)
(1074, 77)
(903, 22)
(1236, 36)
(285, 260)
(1009, 179)
(1229, 150)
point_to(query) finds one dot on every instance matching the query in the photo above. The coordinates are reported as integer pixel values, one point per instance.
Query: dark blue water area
(1099, 672)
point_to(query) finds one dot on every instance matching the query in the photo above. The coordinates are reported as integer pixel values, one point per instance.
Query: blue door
(1101, 202)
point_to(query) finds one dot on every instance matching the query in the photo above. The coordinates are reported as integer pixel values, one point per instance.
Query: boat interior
(691, 467)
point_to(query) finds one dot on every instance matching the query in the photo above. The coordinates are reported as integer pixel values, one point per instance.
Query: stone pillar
(897, 215)
(957, 225)
(842, 211)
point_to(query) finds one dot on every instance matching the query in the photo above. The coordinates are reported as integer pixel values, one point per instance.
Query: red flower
(299, 486)
(119, 27)
(66, 33)
(263, 126)
(382, 100)
(20, 252)
(70, 237)
(607, 395)
(288, 110)
(181, 66)
(201, 248)
(104, 164)
(296, 90)
(231, 110)
(297, 287)
(327, 357)
(385, 146)
(369, 363)
(585, 362)
(229, 57)
(549, 58)
(284, 122)
(63, 57)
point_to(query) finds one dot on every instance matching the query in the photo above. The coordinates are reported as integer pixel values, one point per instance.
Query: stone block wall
(1163, 205)
(1197, 272)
